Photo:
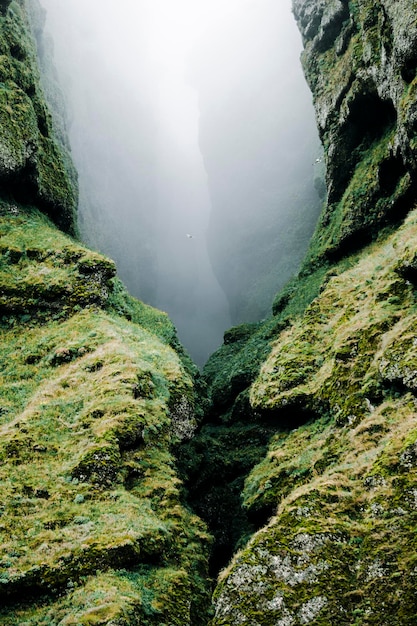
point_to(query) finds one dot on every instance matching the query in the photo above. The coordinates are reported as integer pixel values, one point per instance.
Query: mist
(180, 172)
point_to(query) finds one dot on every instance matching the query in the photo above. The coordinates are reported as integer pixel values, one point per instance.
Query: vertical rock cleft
(340, 487)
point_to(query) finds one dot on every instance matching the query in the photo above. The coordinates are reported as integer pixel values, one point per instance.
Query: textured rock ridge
(360, 62)
(340, 545)
(34, 168)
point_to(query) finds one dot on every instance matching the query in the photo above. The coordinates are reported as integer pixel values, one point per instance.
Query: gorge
(174, 131)
(129, 478)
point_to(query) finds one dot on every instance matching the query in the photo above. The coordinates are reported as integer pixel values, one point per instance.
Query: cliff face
(33, 167)
(334, 497)
(360, 62)
(337, 494)
(95, 392)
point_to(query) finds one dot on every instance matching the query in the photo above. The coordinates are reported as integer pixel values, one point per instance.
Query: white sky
(148, 43)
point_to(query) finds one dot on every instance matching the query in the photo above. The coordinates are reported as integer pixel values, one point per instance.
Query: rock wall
(335, 497)
(34, 168)
(331, 504)
(95, 393)
(360, 62)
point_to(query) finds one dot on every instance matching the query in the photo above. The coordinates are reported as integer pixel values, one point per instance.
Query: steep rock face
(333, 371)
(339, 546)
(312, 417)
(95, 393)
(92, 520)
(34, 168)
(360, 62)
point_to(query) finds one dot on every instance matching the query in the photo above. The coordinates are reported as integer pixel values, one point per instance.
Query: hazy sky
(127, 69)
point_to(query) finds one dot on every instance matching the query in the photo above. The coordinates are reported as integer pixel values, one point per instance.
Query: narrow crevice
(391, 170)
(409, 70)
(214, 466)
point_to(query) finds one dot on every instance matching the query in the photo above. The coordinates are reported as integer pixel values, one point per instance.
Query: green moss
(92, 404)
(342, 486)
(85, 456)
(362, 206)
(33, 167)
(370, 161)
(343, 528)
(310, 418)
(19, 130)
(43, 273)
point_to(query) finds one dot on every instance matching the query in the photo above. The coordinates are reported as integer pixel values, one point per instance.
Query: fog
(138, 77)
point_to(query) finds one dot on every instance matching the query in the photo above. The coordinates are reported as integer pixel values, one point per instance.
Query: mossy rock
(340, 528)
(19, 132)
(340, 487)
(367, 123)
(99, 466)
(34, 168)
(92, 405)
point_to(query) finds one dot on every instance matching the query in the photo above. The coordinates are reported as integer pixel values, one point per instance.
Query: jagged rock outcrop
(93, 398)
(360, 63)
(338, 493)
(33, 167)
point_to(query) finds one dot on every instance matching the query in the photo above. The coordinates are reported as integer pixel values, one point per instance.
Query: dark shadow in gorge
(214, 466)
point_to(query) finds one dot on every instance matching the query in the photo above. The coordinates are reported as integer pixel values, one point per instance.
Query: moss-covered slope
(92, 523)
(340, 546)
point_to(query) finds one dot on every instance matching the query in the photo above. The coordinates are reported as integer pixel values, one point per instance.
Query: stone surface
(360, 62)
(341, 488)
(334, 373)
(34, 167)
